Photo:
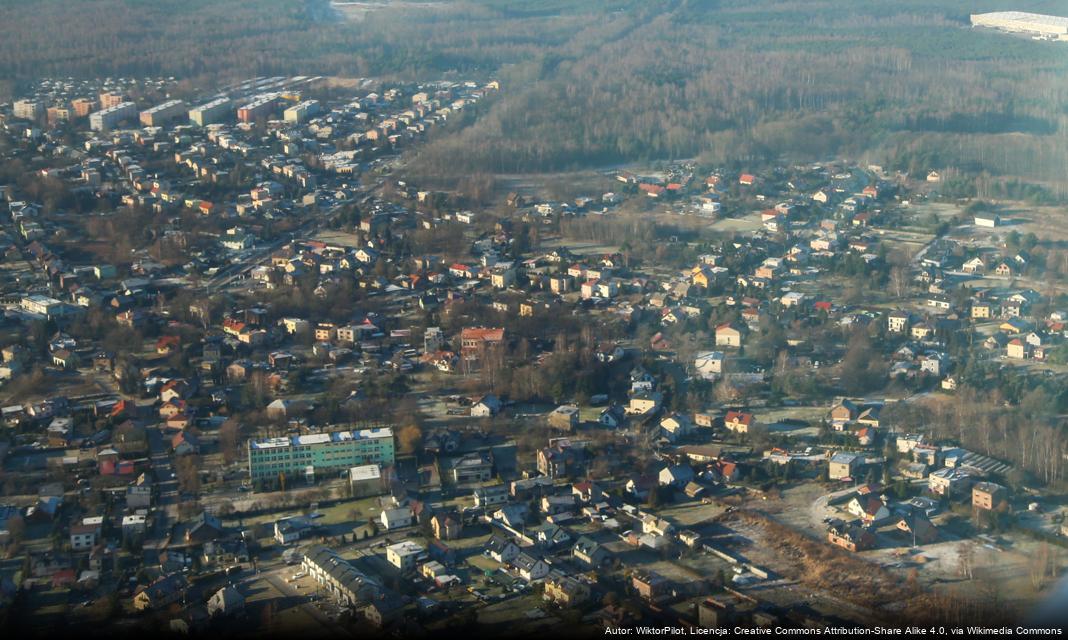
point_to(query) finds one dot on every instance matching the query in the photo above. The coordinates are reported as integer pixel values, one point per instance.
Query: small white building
(405, 555)
(396, 518)
(708, 364)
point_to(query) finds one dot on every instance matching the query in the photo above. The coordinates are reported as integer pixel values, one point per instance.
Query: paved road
(167, 488)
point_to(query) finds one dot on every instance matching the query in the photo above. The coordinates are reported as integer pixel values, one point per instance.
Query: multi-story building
(110, 99)
(59, 113)
(988, 495)
(565, 590)
(84, 536)
(405, 555)
(211, 112)
(473, 467)
(108, 117)
(337, 451)
(83, 107)
(299, 113)
(260, 107)
(950, 482)
(475, 341)
(491, 495)
(43, 305)
(28, 109)
(843, 465)
(366, 481)
(161, 114)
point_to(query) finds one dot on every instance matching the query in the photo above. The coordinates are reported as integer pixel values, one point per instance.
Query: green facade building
(309, 455)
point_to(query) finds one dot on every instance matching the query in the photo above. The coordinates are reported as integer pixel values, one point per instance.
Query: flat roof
(366, 472)
(406, 548)
(1024, 16)
(41, 299)
(321, 438)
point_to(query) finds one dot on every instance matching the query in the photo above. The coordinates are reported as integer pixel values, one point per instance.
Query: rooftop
(321, 438)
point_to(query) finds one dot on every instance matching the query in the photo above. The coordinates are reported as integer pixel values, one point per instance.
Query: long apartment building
(211, 112)
(301, 112)
(309, 455)
(261, 107)
(109, 117)
(161, 114)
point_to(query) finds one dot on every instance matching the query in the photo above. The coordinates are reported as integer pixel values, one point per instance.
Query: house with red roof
(738, 421)
(651, 190)
(168, 344)
(871, 509)
(475, 341)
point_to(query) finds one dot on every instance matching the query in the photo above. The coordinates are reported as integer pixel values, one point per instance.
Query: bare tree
(966, 559)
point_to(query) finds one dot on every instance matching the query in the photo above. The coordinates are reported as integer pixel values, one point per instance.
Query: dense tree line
(906, 84)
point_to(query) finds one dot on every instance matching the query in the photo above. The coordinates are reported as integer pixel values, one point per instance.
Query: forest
(906, 84)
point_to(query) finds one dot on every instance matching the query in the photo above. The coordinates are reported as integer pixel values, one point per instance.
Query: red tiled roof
(739, 417)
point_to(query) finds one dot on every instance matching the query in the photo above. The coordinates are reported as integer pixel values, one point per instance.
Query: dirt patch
(818, 564)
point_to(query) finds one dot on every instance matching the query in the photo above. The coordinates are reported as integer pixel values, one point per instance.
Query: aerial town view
(509, 318)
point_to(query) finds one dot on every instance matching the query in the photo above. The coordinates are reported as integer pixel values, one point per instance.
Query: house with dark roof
(591, 553)
(164, 591)
(850, 535)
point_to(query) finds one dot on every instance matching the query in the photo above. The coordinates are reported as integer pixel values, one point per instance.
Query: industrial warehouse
(1040, 26)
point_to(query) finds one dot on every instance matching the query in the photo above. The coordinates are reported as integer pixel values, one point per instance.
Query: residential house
(613, 416)
(950, 482)
(988, 496)
(565, 591)
(897, 321)
(529, 567)
(565, 417)
(397, 518)
(226, 602)
(491, 495)
(85, 535)
(644, 403)
(290, 530)
(869, 508)
(676, 476)
(843, 465)
(164, 591)
(676, 426)
(651, 586)
(485, 407)
(501, 549)
(446, 526)
(590, 553)
(738, 422)
(728, 336)
(850, 536)
(708, 364)
(405, 555)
